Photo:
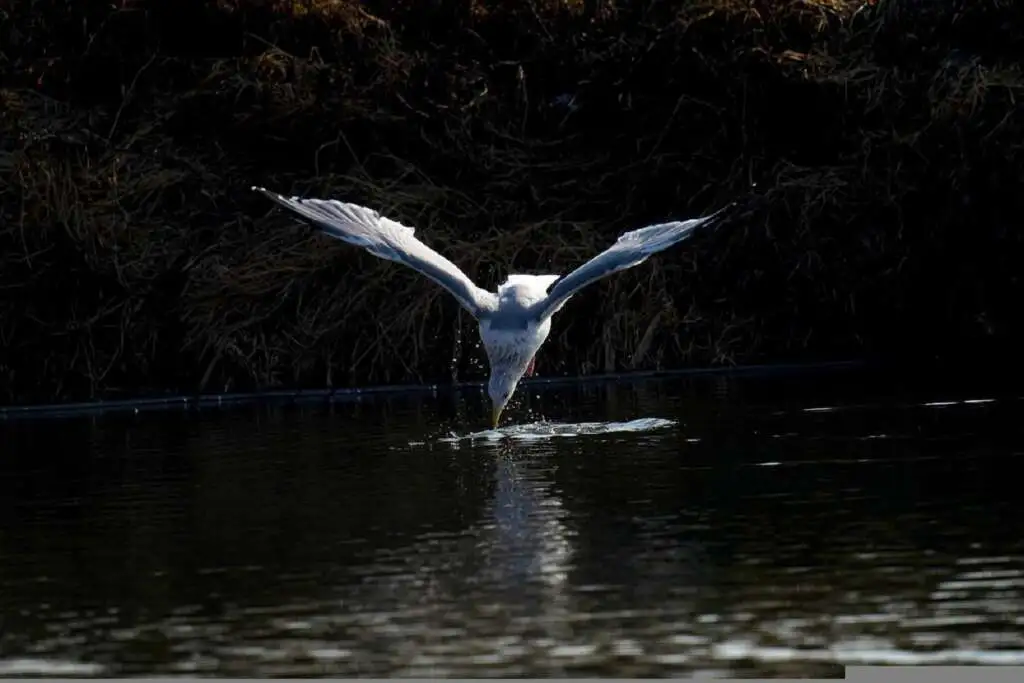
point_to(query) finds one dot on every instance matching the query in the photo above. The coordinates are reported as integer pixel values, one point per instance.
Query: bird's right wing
(387, 239)
(631, 249)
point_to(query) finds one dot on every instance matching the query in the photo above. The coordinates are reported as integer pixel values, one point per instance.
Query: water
(763, 526)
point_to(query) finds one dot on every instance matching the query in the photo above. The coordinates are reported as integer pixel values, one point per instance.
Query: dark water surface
(773, 526)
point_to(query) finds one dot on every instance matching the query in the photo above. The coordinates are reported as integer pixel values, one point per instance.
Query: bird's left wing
(631, 249)
(387, 239)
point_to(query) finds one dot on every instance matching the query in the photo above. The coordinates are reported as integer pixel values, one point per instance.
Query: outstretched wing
(389, 240)
(631, 249)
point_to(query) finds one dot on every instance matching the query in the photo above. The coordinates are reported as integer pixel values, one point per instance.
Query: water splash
(536, 431)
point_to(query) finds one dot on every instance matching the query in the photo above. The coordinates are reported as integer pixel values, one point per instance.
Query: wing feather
(631, 249)
(387, 239)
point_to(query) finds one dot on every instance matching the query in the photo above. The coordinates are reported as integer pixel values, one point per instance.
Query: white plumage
(514, 321)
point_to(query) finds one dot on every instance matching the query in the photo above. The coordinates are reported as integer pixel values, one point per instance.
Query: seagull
(514, 321)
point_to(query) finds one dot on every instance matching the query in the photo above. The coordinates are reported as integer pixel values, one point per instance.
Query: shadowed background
(885, 141)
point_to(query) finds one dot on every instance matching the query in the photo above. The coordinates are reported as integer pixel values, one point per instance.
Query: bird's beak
(495, 414)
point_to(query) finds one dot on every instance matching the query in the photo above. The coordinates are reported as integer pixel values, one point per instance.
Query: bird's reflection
(514, 560)
(530, 539)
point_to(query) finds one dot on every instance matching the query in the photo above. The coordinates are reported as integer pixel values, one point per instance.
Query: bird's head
(509, 353)
(501, 386)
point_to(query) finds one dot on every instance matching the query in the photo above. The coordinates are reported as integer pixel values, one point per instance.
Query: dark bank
(882, 143)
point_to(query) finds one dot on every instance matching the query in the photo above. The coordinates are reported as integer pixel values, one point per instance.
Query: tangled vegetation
(884, 143)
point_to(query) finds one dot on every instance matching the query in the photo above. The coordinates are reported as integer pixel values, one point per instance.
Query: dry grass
(885, 142)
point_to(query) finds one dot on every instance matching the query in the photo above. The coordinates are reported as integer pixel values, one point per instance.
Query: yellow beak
(495, 414)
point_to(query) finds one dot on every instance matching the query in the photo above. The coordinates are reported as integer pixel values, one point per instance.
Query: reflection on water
(772, 527)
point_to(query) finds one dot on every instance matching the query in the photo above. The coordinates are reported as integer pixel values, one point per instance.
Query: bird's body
(511, 336)
(515, 321)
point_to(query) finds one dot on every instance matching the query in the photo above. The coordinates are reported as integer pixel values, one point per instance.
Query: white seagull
(514, 321)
